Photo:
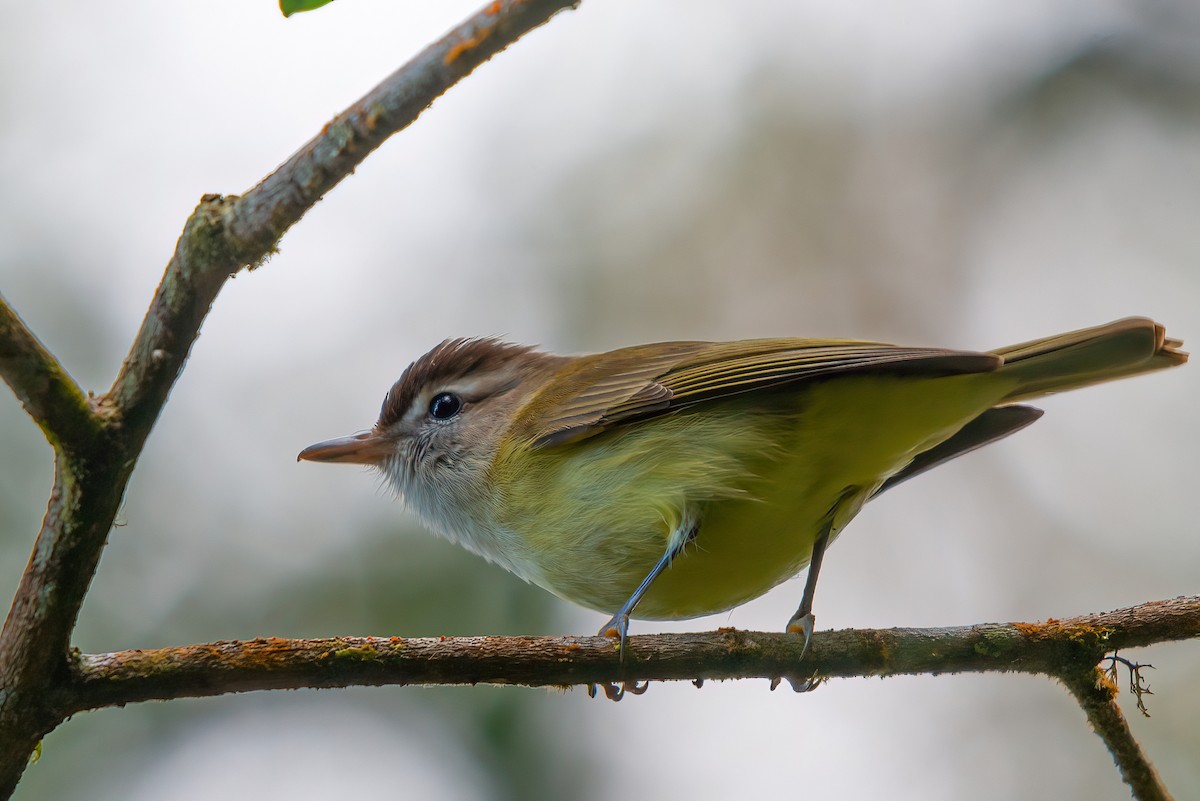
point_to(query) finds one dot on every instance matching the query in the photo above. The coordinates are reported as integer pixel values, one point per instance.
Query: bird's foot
(614, 692)
(799, 685)
(617, 628)
(802, 624)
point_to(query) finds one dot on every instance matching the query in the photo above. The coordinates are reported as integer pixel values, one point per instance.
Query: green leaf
(290, 7)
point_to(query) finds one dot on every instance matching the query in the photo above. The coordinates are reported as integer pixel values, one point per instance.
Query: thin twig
(1138, 687)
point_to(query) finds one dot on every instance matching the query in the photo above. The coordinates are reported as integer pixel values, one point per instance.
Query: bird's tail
(1089, 356)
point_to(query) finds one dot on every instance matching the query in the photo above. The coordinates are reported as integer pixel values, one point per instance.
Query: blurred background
(966, 174)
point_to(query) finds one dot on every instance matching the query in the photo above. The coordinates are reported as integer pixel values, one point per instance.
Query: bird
(680, 479)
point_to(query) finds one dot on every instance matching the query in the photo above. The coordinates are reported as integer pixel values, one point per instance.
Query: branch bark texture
(1060, 648)
(97, 441)
(42, 385)
(1097, 695)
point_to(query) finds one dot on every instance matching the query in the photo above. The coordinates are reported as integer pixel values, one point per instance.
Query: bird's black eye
(444, 406)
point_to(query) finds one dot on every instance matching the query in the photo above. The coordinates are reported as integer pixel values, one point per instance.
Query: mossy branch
(1060, 648)
(1068, 650)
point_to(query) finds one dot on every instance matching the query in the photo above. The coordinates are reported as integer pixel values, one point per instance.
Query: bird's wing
(994, 424)
(633, 384)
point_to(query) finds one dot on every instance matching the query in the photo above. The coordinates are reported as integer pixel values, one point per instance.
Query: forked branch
(98, 442)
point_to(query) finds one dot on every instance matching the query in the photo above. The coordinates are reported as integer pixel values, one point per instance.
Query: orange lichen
(374, 115)
(1082, 633)
(1030, 629)
(1106, 683)
(470, 43)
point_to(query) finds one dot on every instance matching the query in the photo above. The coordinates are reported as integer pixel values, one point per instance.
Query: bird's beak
(366, 447)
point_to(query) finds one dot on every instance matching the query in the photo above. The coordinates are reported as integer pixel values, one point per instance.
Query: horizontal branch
(1053, 648)
(42, 385)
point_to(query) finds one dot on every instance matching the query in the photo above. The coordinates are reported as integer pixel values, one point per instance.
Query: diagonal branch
(1097, 695)
(48, 393)
(226, 234)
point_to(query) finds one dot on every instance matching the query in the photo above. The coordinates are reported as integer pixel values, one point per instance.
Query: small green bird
(681, 479)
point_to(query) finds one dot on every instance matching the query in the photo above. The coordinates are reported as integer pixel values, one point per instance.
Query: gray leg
(618, 626)
(803, 621)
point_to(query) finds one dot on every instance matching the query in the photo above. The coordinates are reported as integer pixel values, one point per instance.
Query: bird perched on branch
(681, 479)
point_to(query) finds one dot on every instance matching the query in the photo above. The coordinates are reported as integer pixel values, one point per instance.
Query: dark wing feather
(633, 384)
(994, 424)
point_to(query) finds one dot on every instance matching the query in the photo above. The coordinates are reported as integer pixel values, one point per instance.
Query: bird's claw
(799, 685)
(803, 624)
(617, 628)
(616, 693)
